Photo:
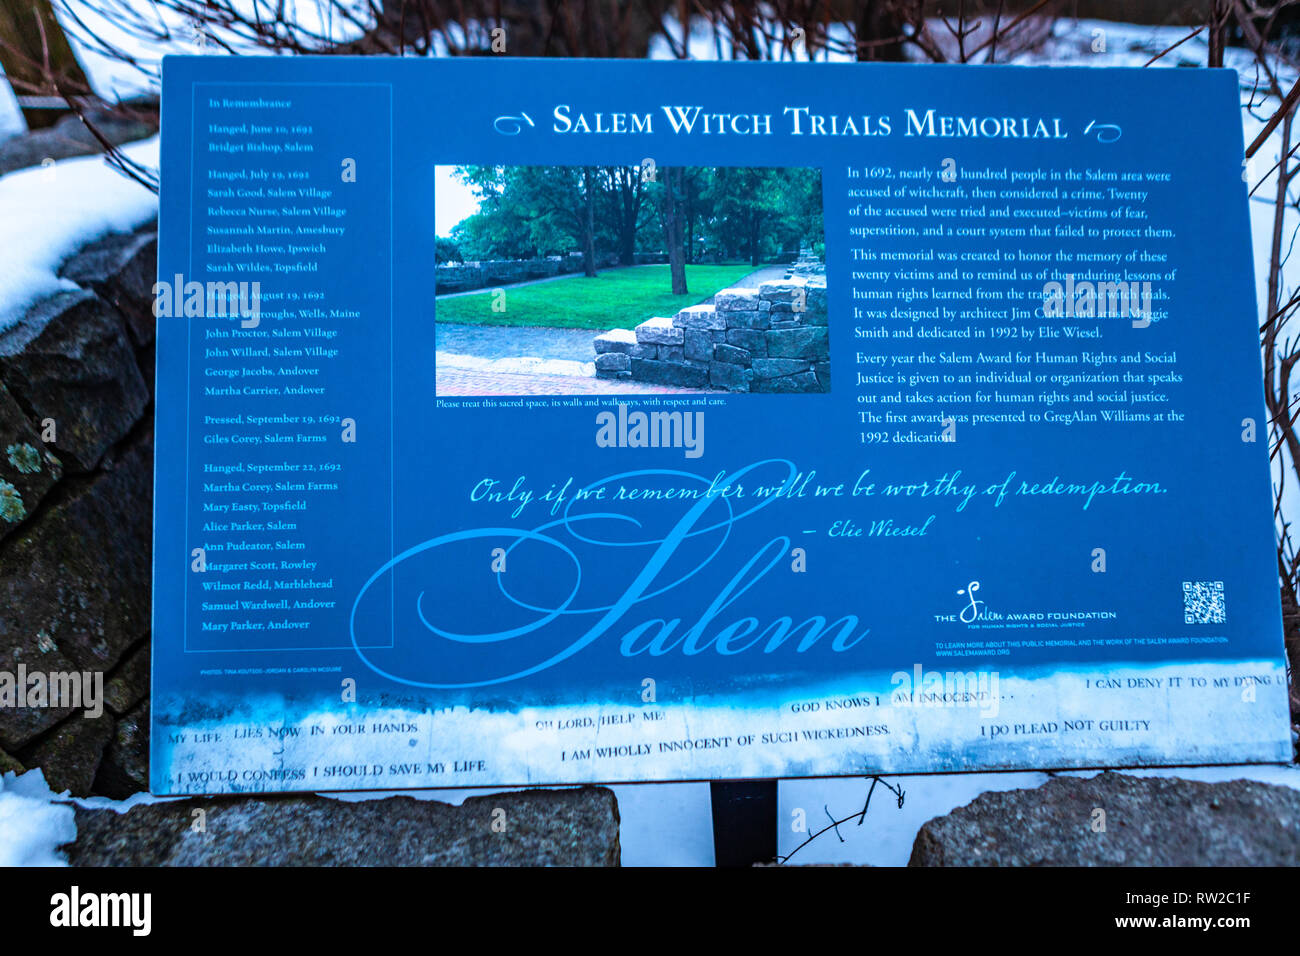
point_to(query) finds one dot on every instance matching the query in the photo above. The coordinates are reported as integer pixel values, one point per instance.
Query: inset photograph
(567, 280)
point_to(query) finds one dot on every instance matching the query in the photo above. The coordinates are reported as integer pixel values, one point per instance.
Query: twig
(1172, 48)
(835, 824)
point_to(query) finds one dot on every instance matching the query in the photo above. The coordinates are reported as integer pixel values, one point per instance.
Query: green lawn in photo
(614, 299)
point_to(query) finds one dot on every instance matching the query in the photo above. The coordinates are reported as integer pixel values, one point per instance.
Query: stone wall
(572, 827)
(806, 266)
(770, 339)
(1149, 821)
(76, 514)
(75, 588)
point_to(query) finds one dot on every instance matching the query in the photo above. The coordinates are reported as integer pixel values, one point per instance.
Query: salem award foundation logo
(977, 613)
(971, 612)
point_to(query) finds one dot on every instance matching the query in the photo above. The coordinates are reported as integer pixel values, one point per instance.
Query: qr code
(1203, 603)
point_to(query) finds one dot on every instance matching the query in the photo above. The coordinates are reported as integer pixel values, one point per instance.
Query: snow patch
(32, 826)
(48, 213)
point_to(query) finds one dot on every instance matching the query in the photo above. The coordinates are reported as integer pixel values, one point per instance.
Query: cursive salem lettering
(717, 628)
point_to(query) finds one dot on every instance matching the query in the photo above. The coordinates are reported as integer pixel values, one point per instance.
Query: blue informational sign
(541, 422)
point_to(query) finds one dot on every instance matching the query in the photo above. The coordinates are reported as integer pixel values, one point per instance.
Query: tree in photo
(672, 215)
(530, 211)
(623, 201)
(587, 227)
(763, 214)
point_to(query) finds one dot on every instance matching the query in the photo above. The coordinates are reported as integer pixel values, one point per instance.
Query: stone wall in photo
(770, 339)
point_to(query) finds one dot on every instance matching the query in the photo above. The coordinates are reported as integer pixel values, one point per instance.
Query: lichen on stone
(24, 457)
(11, 503)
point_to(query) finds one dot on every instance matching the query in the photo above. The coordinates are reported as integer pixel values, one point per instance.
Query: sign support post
(744, 822)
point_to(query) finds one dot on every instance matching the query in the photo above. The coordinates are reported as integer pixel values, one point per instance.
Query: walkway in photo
(524, 360)
(758, 277)
(502, 341)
